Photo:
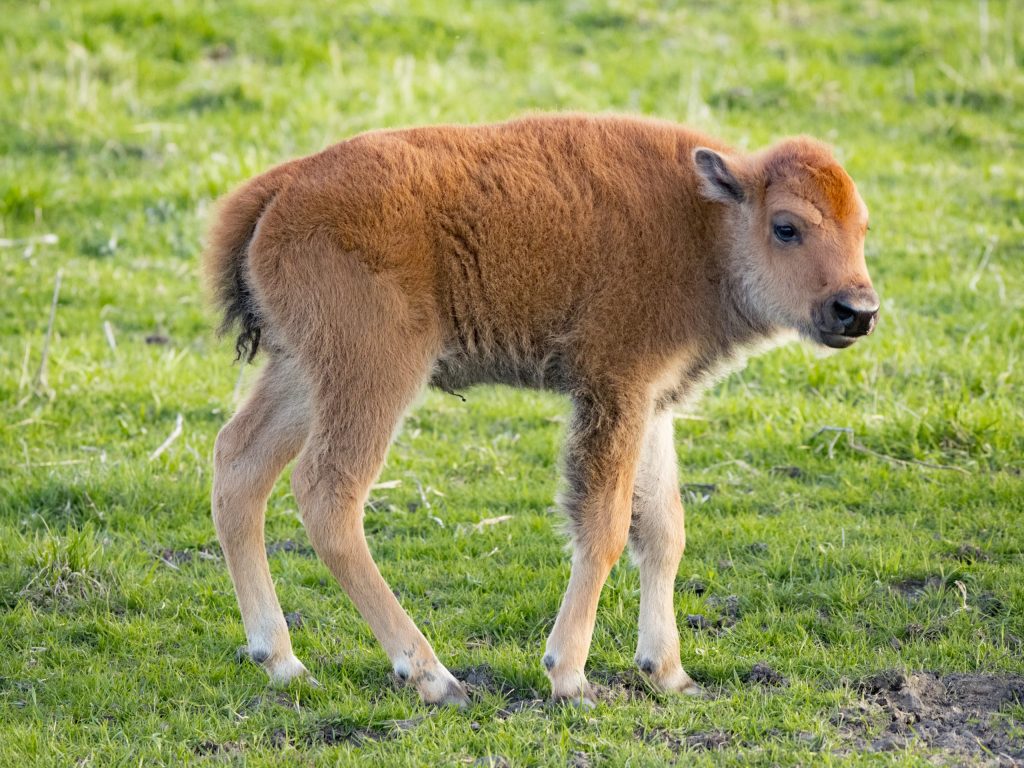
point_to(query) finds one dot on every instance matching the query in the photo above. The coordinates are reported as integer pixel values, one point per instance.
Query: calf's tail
(225, 258)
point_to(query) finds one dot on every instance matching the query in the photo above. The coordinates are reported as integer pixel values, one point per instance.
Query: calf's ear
(717, 181)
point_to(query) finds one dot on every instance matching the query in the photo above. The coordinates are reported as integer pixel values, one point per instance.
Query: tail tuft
(239, 308)
(225, 261)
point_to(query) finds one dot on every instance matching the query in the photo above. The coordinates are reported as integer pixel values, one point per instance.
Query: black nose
(855, 320)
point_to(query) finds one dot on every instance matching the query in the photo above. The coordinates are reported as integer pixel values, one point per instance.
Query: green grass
(120, 123)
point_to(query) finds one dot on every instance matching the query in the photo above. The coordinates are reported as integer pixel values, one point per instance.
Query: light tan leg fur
(331, 482)
(600, 465)
(251, 451)
(366, 372)
(657, 539)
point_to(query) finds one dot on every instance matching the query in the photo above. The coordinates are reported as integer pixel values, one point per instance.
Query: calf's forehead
(828, 189)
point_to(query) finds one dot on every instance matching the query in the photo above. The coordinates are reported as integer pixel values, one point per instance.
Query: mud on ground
(964, 717)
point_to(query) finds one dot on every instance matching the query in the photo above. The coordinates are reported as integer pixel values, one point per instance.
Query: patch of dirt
(632, 685)
(219, 52)
(935, 629)
(479, 676)
(624, 686)
(405, 725)
(729, 609)
(704, 741)
(1011, 642)
(915, 588)
(176, 557)
(579, 760)
(696, 586)
(698, 621)
(762, 674)
(989, 604)
(708, 741)
(279, 737)
(968, 553)
(482, 678)
(293, 619)
(326, 732)
(271, 698)
(288, 545)
(659, 736)
(955, 715)
(218, 748)
(728, 606)
(523, 705)
(796, 473)
(345, 731)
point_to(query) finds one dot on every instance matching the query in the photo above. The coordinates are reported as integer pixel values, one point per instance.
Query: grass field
(824, 558)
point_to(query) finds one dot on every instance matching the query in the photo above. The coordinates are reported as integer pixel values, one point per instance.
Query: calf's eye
(786, 233)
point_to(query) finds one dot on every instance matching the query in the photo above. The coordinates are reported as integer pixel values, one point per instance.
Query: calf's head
(796, 227)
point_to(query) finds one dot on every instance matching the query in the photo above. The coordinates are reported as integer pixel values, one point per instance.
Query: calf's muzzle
(848, 315)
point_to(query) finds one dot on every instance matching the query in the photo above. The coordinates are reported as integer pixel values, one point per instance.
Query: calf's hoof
(585, 698)
(284, 670)
(569, 686)
(669, 678)
(455, 695)
(436, 685)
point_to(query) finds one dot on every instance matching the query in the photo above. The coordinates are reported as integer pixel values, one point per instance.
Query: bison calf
(623, 262)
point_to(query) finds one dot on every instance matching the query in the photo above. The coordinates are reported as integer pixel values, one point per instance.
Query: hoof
(574, 690)
(585, 699)
(440, 688)
(690, 689)
(455, 696)
(282, 672)
(673, 680)
(568, 686)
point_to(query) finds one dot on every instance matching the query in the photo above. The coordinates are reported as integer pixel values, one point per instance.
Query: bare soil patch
(623, 686)
(176, 557)
(957, 715)
(714, 740)
(762, 674)
(708, 741)
(915, 588)
(482, 678)
(344, 731)
(289, 545)
(969, 553)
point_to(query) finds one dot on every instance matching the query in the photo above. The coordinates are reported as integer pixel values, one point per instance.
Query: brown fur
(608, 258)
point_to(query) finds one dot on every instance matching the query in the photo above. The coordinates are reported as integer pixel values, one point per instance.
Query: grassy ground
(121, 121)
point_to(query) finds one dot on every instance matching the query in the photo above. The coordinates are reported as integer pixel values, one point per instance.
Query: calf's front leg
(601, 457)
(657, 537)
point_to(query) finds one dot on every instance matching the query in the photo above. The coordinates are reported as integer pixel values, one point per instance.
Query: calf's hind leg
(251, 451)
(657, 538)
(358, 406)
